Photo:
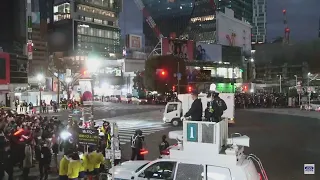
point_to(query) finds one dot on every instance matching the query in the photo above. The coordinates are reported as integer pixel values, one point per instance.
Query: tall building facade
(202, 25)
(83, 26)
(194, 18)
(13, 25)
(259, 25)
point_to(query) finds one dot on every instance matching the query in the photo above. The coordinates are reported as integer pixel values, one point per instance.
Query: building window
(110, 23)
(95, 10)
(62, 8)
(59, 17)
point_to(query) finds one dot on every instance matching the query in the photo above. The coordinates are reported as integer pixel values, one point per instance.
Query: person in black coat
(196, 108)
(44, 158)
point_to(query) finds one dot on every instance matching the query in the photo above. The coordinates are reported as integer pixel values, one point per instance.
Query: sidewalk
(288, 111)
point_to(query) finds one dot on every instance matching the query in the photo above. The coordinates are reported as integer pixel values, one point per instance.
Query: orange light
(144, 152)
(18, 132)
(84, 72)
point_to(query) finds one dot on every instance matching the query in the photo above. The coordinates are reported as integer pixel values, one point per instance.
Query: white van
(175, 169)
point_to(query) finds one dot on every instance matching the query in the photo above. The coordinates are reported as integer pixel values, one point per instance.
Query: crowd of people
(33, 141)
(261, 100)
(26, 139)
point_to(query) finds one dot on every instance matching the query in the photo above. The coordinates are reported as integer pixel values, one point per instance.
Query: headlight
(65, 135)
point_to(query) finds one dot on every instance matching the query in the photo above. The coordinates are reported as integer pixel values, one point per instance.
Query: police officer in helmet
(215, 107)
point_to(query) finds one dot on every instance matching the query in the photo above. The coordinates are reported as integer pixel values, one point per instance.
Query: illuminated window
(95, 10)
(202, 18)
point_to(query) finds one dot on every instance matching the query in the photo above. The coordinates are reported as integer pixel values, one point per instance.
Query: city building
(203, 26)
(13, 29)
(84, 26)
(170, 16)
(259, 22)
(194, 19)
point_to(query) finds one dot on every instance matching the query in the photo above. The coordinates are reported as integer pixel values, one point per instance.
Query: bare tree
(57, 67)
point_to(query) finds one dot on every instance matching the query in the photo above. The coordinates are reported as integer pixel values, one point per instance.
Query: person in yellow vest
(83, 167)
(74, 167)
(63, 167)
(99, 159)
(90, 162)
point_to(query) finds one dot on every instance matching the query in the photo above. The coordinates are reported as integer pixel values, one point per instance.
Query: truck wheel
(175, 122)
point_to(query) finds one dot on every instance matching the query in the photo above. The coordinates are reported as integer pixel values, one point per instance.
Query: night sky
(303, 18)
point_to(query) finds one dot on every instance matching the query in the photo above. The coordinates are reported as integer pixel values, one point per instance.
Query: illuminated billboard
(177, 47)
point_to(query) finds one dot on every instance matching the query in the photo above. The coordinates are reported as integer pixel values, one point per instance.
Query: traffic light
(189, 89)
(245, 88)
(84, 73)
(161, 72)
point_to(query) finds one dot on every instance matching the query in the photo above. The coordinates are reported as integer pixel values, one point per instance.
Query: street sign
(88, 137)
(109, 154)
(179, 76)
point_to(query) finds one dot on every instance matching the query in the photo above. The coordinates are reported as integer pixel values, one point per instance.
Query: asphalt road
(109, 110)
(284, 143)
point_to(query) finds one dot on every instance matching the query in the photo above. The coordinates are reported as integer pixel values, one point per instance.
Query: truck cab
(175, 110)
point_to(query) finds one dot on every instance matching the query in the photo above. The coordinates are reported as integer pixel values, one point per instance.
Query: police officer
(215, 107)
(137, 142)
(196, 108)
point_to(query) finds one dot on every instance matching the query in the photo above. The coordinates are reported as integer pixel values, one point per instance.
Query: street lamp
(280, 79)
(40, 77)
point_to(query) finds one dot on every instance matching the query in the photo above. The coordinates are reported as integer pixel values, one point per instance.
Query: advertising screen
(208, 52)
(177, 47)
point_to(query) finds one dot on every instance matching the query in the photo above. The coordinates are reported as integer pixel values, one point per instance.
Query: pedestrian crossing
(147, 122)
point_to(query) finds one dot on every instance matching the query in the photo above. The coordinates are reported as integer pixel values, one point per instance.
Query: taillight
(260, 176)
(165, 152)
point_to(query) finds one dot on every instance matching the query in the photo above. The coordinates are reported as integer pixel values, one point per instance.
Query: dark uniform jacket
(195, 111)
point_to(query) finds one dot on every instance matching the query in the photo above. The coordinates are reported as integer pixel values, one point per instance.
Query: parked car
(114, 99)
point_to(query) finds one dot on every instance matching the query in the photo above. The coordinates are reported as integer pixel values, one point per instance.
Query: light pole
(40, 78)
(280, 79)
